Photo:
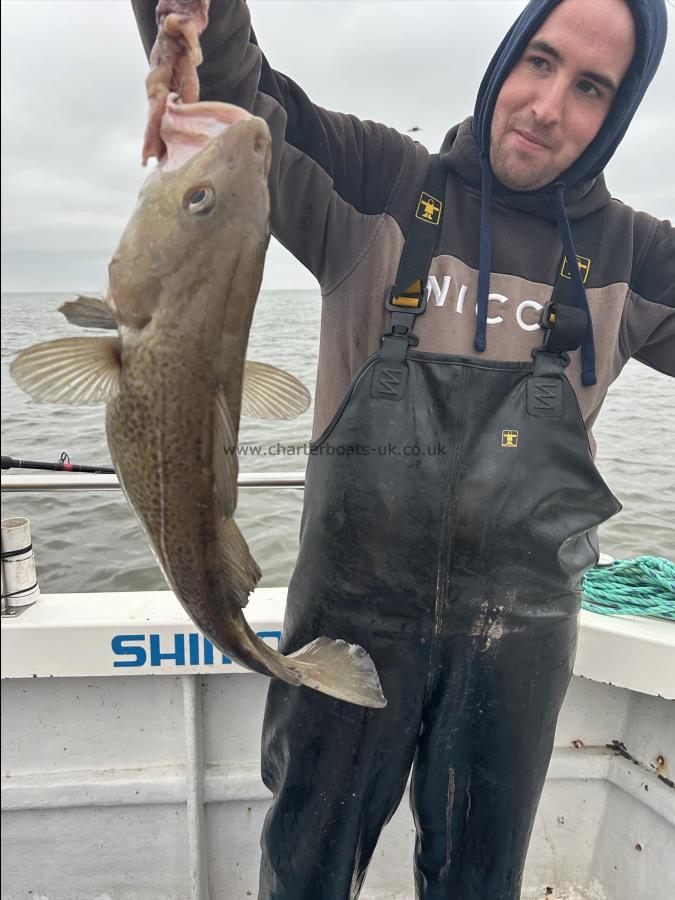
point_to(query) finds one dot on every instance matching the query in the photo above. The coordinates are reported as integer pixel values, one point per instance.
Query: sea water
(90, 541)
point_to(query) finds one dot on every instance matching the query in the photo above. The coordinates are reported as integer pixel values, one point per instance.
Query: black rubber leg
(486, 742)
(337, 773)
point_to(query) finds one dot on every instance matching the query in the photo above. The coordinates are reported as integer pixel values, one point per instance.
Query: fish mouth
(187, 128)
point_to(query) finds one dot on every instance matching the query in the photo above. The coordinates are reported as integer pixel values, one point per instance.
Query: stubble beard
(511, 177)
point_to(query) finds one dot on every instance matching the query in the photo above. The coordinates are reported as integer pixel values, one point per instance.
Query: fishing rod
(63, 465)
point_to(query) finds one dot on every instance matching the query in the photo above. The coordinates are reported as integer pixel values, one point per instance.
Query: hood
(460, 153)
(575, 192)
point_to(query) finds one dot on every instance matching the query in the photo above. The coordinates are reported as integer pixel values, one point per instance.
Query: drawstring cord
(485, 267)
(587, 346)
(485, 260)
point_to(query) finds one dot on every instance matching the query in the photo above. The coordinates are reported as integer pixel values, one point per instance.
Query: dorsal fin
(238, 570)
(88, 312)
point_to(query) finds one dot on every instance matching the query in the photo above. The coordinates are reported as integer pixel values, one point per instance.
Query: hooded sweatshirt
(649, 19)
(343, 192)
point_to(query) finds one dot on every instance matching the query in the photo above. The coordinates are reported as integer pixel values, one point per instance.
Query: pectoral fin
(88, 312)
(76, 371)
(271, 393)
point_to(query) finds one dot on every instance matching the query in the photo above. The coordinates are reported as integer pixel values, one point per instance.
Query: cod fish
(182, 288)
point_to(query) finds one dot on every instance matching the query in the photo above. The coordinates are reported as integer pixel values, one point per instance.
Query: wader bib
(449, 514)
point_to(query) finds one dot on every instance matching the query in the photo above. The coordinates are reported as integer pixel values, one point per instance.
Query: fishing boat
(131, 753)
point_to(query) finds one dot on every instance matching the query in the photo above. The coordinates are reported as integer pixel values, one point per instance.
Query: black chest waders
(450, 509)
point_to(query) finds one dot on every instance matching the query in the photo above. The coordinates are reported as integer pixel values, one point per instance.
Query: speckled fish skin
(182, 287)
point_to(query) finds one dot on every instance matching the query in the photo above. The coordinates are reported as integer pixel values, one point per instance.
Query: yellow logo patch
(429, 209)
(584, 268)
(510, 437)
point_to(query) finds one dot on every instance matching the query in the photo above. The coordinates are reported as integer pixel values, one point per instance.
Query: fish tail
(335, 668)
(338, 669)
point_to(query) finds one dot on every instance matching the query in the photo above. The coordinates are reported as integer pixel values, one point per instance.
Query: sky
(73, 112)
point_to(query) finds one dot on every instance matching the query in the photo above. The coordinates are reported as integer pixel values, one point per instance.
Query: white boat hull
(143, 781)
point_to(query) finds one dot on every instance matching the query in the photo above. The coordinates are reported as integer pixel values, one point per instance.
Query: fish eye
(200, 200)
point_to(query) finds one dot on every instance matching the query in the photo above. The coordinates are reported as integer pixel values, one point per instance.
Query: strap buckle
(549, 317)
(413, 300)
(564, 327)
(562, 355)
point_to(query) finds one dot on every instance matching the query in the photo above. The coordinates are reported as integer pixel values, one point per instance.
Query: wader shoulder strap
(564, 323)
(406, 298)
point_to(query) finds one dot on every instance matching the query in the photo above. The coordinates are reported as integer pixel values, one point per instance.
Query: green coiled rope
(643, 586)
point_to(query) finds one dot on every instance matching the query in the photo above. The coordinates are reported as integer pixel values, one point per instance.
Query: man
(450, 540)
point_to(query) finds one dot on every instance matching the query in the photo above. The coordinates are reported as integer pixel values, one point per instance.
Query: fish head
(202, 211)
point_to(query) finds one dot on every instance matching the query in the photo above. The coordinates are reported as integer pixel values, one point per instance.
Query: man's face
(558, 94)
